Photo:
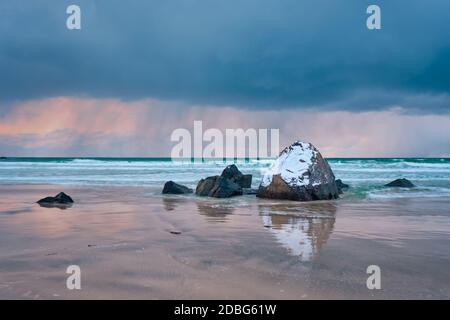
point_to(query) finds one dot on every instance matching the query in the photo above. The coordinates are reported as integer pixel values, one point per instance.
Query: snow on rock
(292, 164)
(299, 173)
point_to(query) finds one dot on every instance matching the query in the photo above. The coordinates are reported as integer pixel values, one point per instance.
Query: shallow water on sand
(132, 243)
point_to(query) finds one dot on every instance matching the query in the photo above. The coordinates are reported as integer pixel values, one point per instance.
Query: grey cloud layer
(252, 53)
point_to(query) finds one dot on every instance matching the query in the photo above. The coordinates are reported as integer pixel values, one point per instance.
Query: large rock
(400, 183)
(232, 173)
(171, 187)
(300, 173)
(60, 199)
(218, 187)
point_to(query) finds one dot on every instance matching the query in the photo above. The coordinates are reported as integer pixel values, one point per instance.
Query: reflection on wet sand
(216, 212)
(303, 229)
(171, 203)
(61, 206)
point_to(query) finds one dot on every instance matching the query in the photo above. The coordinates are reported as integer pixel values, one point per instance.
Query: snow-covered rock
(299, 173)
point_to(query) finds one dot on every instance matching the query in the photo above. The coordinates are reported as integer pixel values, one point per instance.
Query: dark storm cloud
(252, 53)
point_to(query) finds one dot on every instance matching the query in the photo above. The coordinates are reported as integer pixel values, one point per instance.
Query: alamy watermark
(373, 22)
(213, 143)
(374, 280)
(73, 281)
(73, 21)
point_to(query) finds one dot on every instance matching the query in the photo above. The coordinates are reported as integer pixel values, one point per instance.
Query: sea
(366, 176)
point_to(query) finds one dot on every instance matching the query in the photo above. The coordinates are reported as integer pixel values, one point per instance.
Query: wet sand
(135, 243)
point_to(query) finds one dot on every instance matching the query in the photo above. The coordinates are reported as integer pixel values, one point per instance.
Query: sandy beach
(131, 242)
(247, 150)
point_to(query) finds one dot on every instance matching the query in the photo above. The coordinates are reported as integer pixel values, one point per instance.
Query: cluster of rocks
(300, 173)
(230, 183)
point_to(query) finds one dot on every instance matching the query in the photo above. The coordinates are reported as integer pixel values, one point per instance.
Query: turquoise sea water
(366, 176)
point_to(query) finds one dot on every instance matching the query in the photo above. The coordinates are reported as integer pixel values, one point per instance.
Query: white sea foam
(366, 176)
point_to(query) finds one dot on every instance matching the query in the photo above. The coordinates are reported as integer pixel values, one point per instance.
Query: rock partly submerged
(225, 188)
(204, 186)
(230, 183)
(171, 187)
(61, 200)
(300, 173)
(218, 187)
(400, 183)
(232, 173)
(341, 186)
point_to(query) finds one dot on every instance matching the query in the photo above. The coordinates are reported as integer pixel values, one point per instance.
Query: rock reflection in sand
(303, 229)
(171, 203)
(61, 206)
(216, 212)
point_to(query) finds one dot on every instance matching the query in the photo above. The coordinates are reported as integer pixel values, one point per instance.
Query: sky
(137, 70)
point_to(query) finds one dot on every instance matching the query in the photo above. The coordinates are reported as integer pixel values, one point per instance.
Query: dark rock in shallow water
(225, 188)
(232, 173)
(171, 187)
(61, 200)
(400, 183)
(228, 184)
(300, 173)
(204, 186)
(245, 181)
(218, 187)
(341, 186)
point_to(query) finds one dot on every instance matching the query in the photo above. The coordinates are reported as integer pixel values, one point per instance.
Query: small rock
(204, 186)
(225, 188)
(341, 186)
(171, 187)
(228, 184)
(400, 183)
(232, 173)
(60, 198)
(52, 254)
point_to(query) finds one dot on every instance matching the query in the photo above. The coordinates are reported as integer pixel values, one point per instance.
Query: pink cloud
(67, 126)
